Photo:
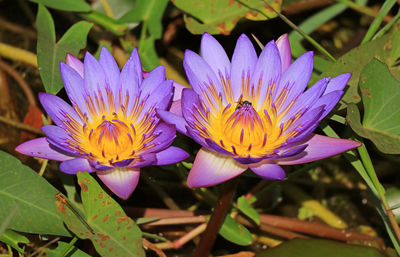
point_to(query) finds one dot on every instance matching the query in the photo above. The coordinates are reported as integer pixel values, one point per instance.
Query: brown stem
(217, 217)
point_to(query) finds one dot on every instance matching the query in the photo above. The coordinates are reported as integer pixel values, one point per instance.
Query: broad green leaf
(355, 60)
(149, 11)
(66, 5)
(248, 210)
(73, 252)
(381, 96)
(20, 185)
(103, 221)
(13, 238)
(319, 248)
(221, 16)
(235, 232)
(50, 53)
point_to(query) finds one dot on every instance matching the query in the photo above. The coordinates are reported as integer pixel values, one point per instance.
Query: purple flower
(251, 112)
(111, 128)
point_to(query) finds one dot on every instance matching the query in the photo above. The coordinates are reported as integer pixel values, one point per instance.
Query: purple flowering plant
(252, 112)
(190, 124)
(112, 127)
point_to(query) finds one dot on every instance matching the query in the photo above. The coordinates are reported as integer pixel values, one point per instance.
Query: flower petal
(244, 60)
(214, 54)
(111, 70)
(74, 63)
(174, 119)
(121, 181)
(295, 78)
(58, 109)
(284, 51)
(329, 101)
(74, 86)
(170, 155)
(337, 83)
(176, 108)
(268, 170)
(41, 148)
(267, 71)
(210, 168)
(178, 91)
(319, 147)
(153, 80)
(160, 98)
(164, 135)
(74, 165)
(146, 160)
(200, 75)
(129, 78)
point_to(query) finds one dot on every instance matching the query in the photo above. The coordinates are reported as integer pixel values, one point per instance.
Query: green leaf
(248, 210)
(235, 232)
(73, 252)
(149, 11)
(355, 60)
(103, 221)
(221, 16)
(20, 185)
(13, 238)
(50, 53)
(381, 96)
(118, 7)
(116, 27)
(319, 248)
(65, 5)
(148, 55)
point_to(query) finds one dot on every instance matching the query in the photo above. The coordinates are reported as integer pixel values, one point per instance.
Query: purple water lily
(251, 112)
(112, 127)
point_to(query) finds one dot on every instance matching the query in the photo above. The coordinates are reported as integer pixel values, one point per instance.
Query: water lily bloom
(112, 127)
(252, 112)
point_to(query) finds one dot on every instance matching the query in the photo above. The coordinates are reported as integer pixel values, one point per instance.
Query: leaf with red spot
(102, 221)
(221, 16)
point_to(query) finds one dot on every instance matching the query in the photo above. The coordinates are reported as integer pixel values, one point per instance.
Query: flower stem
(217, 217)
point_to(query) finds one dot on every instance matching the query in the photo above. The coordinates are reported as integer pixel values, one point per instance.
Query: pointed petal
(244, 60)
(215, 147)
(337, 83)
(319, 147)
(170, 155)
(58, 109)
(74, 86)
(329, 101)
(138, 65)
(41, 148)
(296, 78)
(121, 181)
(153, 80)
(214, 54)
(200, 75)
(307, 99)
(56, 134)
(210, 168)
(284, 51)
(268, 170)
(174, 119)
(74, 63)
(158, 99)
(129, 78)
(267, 71)
(74, 165)
(111, 70)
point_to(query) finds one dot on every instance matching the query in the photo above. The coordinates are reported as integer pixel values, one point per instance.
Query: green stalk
(68, 247)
